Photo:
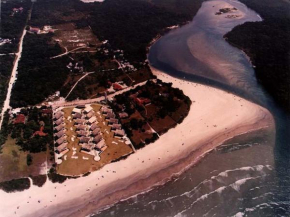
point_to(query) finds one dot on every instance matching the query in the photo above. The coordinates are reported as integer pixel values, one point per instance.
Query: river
(246, 176)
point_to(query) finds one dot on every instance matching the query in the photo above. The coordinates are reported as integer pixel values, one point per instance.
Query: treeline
(267, 43)
(12, 26)
(38, 75)
(131, 25)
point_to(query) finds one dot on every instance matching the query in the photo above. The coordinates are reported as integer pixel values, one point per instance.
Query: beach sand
(215, 116)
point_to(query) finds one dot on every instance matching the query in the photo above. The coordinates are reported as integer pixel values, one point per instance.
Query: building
(97, 139)
(77, 115)
(61, 148)
(77, 111)
(119, 133)
(110, 115)
(80, 121)
(60, 134)
(117, 86)
(92, 120)
(59, 127)
(59, 121)
(116, 127)
(84, 139)
(94, 126)
(58, 115)
(90, 114)
(96, 132)
(88, 109)
(34, 30)
(113, 121)
(81, 127)
(60, 140)
(123, 115)
(81, 133)
(20, 119)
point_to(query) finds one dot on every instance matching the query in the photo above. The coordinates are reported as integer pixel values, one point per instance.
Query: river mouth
(198, 52)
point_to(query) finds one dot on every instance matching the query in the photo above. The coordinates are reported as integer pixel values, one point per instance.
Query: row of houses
(88, 131)
(113, 122)
(60, 134)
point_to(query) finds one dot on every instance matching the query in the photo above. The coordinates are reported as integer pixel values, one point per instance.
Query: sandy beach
(215, 116)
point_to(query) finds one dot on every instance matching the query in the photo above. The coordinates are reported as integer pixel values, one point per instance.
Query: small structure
(84, 139)
(20, 119)
(61, 148)
(113, 121)
(80, 121)
(116, 127)
(96, 132)
(105, 109)
(60, 140)
(81, 133)
(90, 114)
(88, 109)
(117, 86)
(58, 115)
(60, 134)
(77, 115)
(92, 120)
(119, 133)
(81, 127)
(97, 139)
(94, 126)
(77, 111)
(34, 30)
(58, 122)
(59, 127)
(110, 115)
(123, 115)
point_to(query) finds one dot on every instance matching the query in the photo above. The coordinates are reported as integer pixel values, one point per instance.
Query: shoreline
(151, 166)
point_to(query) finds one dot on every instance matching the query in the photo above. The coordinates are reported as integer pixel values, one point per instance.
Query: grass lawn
(74, 167)
(13, 162)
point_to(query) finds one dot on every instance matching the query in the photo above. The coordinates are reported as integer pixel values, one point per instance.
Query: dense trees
(38, 75)
(268, 45)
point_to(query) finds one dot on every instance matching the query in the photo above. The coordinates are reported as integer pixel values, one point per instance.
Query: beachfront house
(97, 139)
(120, 133)
(96, 132)
(58, 115)
(60, 134)
(81, 127)
(90, 114)
(94, 126)
(113, 121)
(116, 127)
(81, 133)
(77, 115)
(61, 148)
(84, 139)
(77, 111)
(88, 109)
(61, 140)
(80, 121)
(59, 121)
(59, 127)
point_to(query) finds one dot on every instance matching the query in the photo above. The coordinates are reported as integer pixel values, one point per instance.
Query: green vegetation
(152, 109)
(5, 129)
(15, 185)
(38, 180)
(12, 26)
(38, 75)
(267, 43)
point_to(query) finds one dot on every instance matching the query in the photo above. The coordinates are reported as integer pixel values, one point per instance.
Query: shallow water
(247, 176)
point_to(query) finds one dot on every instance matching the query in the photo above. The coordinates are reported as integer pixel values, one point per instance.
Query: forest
(12, 26)
(267, 43)
(38, 75)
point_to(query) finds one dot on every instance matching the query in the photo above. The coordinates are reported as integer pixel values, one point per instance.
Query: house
(20, 119)
(60, 134)
(59, 127)
(97, 138)
(100, 145)
(113, 121)
(90, 114)
(58, 115)
(96, 132)
(92, 120)
(84, 139)
(105, 110)
(116, 127)
(77, 115)
(77, 111)
(110, 115)
(81, 127)
(87, 147)
(62, 148)
(60, 140)
(119, 133)
(117, 86)
(34, 30)
(142, 101)
(80, 121)
(123, 115)
(94, 126)
(88, 109)
(81, 133)
(59, 121)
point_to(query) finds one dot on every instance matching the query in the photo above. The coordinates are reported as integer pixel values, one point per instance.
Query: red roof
(117, 86)
(40, 132)
(142, 100)
(20, 119)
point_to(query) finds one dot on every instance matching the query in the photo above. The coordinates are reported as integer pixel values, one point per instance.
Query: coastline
(215, 116)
